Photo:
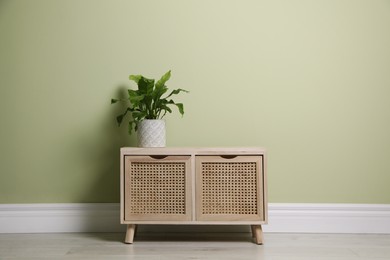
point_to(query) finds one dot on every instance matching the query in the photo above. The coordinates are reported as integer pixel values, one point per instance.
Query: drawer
(230, 188)
(157, 188)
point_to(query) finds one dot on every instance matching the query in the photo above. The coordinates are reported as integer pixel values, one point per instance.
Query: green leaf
(132, 92)
(177, 91)
(135, 78)
(180, 106)
(150, 88)
(139, 115)
(113, 101)
(135, 100)
(164, 107)
(161, 82)
(157, 95)
(161, 89)
(145, 86)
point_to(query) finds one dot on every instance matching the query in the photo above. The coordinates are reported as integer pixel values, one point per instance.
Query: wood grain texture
(130, 232)
(257, 234)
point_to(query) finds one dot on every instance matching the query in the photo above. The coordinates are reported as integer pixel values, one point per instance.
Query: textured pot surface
(151, 133)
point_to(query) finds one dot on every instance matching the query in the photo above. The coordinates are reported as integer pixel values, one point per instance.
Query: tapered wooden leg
(130, 233)
(253, 231)
(257, 233)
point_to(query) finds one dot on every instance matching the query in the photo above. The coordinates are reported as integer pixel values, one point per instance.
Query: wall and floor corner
(308, 80)
(104, 217)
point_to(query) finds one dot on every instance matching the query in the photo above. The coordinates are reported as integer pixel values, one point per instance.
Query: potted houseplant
(147, 108)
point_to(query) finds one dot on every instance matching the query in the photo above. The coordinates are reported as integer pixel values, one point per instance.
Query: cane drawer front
(230, 188)
(157, 188)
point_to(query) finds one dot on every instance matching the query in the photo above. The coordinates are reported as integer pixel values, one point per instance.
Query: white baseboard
(104, 217)
(48, 218)
(329, 218)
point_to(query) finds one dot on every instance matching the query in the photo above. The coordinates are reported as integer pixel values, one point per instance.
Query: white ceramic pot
(151, 133)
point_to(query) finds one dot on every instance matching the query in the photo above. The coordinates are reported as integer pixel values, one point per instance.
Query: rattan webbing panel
(156, 189)
(229, 188)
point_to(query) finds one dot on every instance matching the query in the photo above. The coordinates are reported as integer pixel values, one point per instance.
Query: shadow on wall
(101, 152)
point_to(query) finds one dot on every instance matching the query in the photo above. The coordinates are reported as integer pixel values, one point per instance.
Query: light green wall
(308, 80)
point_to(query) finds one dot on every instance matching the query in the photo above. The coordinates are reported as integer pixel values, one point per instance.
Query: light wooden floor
(195, 246)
